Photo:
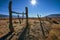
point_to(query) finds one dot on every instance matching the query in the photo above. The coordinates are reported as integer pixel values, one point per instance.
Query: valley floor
(50, 27)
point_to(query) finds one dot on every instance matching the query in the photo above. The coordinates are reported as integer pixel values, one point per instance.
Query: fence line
(10, 18)
(41, 25)
(11, 24)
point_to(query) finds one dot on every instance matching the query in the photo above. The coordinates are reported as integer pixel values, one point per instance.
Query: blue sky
(42, 7)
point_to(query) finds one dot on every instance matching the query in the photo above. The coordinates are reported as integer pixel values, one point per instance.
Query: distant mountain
(14, 16)
(53, 15)
(7, 16)
(4, 16)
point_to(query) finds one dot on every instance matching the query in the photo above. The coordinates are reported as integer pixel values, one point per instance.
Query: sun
(33, 2)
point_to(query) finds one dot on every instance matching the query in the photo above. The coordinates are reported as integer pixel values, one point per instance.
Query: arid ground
(51, 27)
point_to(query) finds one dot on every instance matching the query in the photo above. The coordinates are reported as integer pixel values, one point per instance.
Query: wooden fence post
(41, 27)
(22, 16)
(19, 19)
(10, 17)
(26, 16)
(27, 24)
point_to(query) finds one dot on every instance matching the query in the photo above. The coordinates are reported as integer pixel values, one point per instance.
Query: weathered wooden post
(10, 17)
(25, 33)
(41, 27)
(22, 16)
(27, 16)
(19, 19)
(27, 25)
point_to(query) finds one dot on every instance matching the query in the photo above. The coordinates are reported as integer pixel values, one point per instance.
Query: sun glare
(33, 2)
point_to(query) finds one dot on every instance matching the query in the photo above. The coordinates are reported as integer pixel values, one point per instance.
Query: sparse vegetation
(34, 30)
(29, 29)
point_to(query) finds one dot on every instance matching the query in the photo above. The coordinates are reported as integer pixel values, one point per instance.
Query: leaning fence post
(10, 17)
(41, 26)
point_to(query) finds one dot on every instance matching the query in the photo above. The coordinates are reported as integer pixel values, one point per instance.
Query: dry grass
(35, 29)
